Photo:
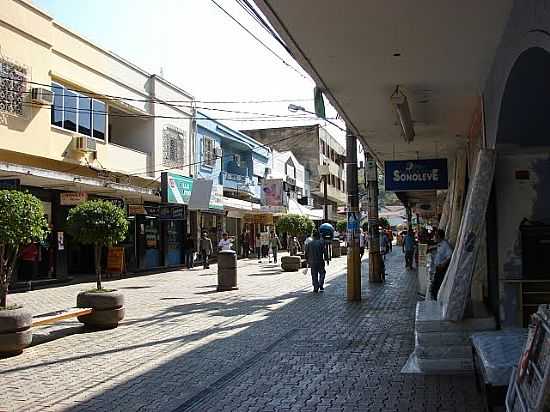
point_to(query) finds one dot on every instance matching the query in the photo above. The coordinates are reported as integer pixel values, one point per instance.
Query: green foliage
(21, 221)
(21, 218)
(97, 222)
(295, 225)
(385, 223)
(341, 226)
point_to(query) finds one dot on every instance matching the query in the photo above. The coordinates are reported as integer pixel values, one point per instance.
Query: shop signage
(178, 212)
(60, 241)
(235, 178)
(72, 198)
(10, 184)
(216, 198)
(206, 196)
(176, 188)
(260, 219)
(408, 175)
(115, 260)
(273, 192)
(153, 211)
(169, 212)
(136, 210)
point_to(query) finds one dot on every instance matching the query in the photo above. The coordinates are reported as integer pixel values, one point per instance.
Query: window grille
(173, 140)
(13, 84)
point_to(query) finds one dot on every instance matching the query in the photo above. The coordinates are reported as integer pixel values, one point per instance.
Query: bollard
(227, 270)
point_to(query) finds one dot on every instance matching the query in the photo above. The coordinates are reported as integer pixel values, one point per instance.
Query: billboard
(411, 175)
(273, 192)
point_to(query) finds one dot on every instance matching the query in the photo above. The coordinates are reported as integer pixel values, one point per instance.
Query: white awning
(295, 207)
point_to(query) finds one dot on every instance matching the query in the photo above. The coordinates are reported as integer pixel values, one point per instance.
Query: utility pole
(376, 266)
(354, 218)
(325, 200)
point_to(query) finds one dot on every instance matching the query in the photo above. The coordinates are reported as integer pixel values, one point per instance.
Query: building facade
(312, 146)
(79, 122)
(239, 165)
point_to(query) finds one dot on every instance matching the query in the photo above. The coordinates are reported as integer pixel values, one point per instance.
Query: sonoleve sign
(408, 175)
(176, 188)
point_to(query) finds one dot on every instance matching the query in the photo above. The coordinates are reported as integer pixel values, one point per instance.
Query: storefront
(174, 228)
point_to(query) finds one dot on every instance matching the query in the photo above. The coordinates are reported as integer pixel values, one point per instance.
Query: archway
(522, 179)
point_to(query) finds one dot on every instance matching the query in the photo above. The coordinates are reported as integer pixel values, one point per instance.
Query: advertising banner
(273, 192)
(409, 175)
(176, 188)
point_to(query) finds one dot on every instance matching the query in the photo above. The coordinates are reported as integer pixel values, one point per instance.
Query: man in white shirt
(441, 261)
(224, 243)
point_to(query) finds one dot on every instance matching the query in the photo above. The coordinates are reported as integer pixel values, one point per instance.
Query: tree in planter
(295, 225)
(99, 223)
(22, 221)
(341, 226)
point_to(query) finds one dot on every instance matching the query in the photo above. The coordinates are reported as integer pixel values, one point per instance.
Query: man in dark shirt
(316, 254)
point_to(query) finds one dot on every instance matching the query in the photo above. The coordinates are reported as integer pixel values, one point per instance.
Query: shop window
(173, 146)
(78, 112)
(208, 154)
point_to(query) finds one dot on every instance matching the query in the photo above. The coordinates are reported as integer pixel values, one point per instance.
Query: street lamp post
(324, 172)
(353, 215)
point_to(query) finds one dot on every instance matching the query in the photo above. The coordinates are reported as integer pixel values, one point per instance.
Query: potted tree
(22, 221)
(294, 225)
(102, 224)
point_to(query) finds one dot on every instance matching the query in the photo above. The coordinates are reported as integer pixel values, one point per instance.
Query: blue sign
(408, 175)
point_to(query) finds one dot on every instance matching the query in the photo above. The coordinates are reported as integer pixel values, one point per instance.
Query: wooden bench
(57, 316)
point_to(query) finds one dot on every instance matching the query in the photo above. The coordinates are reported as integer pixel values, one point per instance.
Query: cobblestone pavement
(272, 345)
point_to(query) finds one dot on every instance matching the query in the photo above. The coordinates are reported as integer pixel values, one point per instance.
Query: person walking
(316, 255)
(408, 248)
(441, 261)
(224, 243)
(274, 245)
(362, 241)
(383, 243)
(205, 249)
(246, 244)
(189, 251)
(293, 246)
(390, 239)
(259, 247)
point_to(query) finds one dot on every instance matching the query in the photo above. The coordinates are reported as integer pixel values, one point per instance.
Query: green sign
(178, 188)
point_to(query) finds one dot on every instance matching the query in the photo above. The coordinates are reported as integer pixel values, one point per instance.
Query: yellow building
(77, 122)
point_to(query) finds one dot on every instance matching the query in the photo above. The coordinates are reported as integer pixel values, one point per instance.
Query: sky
(200, 49)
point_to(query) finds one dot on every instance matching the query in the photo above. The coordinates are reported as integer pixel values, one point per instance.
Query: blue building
(238, 163)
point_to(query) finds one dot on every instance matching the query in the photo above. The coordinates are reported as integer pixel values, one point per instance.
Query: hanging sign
(409, 175)
(136, 210)
(176, 188)
(10, 184)
(115, 260)
(72, 198)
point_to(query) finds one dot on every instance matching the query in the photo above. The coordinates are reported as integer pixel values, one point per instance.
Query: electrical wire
(189, 102)
(258, 39)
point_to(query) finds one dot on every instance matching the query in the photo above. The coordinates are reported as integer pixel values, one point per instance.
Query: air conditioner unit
(218, 152)
(41, 95)
(85, 144)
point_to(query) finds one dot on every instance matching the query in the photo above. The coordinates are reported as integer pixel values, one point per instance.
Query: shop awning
(313, 214)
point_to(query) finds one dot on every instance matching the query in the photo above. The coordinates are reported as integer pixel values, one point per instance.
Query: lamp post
(324, 172)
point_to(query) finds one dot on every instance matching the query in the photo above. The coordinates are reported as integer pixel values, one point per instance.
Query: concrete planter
(108, 308)
(15, 331)
(291, 263)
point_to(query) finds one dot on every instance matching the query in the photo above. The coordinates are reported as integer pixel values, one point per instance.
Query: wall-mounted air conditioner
(41, 95)
(218, 152)
(85, 144)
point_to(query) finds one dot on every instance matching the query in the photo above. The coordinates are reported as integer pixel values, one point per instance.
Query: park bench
(58, 316)
(495, 353)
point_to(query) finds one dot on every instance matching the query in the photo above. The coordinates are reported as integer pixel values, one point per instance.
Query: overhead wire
(258, 39)
(108, 97)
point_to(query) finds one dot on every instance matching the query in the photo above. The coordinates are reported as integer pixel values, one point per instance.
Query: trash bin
(227, 270)
(336, 252)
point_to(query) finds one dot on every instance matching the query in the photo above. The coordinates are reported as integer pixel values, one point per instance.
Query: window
(78, 113)
(237, 159)
(85, 115)
(172, 146)
(57, 107)
(13, 84)
(208, 155)
(323, 146)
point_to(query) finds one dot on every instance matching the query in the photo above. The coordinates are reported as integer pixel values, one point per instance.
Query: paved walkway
(272, 345)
